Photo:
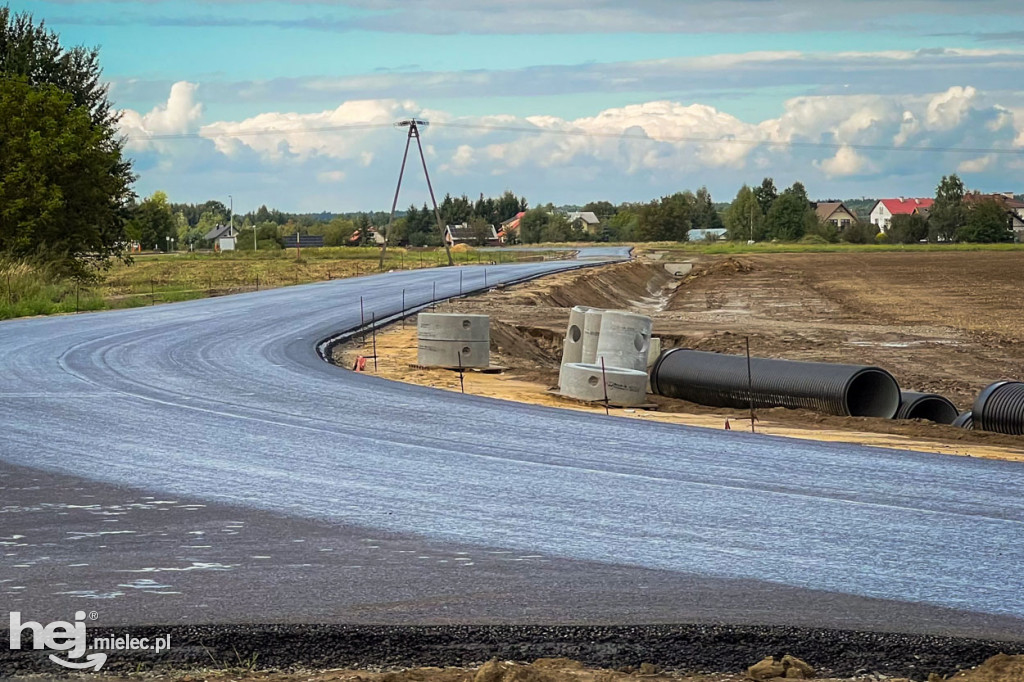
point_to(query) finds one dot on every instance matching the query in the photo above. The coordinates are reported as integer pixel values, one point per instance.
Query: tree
(788, 218)
(480, 230)
(667, 219)
(64, 186)
(987, 222)
(152, 222)
(907, 229)
(743, 219)
(622, 226)
(705, 216)
(859, 232)
(604, 210)
(507, 206)
(947, 214)
(531, 226)
(61, 198)
(766, 195)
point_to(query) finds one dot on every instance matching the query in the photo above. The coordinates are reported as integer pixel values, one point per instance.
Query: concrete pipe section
(588, 382)
(1000, 408)
(591, 334)
(453, 340)
(624, 341)
(572, 345)
(720, 380)
(928, 406)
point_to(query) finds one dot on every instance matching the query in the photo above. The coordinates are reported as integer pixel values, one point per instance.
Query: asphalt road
(223, 413)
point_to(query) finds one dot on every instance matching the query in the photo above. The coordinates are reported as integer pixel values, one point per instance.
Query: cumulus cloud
(845, 162)
(652, 147)
(179, 114)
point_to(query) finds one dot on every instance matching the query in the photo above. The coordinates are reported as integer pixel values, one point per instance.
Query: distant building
(834, 212)
(884, 209)
(223, 238)
(464, 234)
(586, 220)
(509, 229)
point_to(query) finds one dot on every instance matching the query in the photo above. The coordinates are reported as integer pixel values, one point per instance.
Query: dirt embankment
(1000, 668)
(875, 309)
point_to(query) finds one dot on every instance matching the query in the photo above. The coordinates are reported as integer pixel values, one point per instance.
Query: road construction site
(947, 323)
(198, 469)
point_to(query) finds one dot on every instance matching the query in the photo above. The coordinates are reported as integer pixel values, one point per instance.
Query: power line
(587, 133)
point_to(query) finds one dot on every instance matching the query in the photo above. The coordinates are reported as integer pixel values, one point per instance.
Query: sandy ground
(945, 322)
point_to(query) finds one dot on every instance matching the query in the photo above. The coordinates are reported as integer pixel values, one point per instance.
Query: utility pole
(231, 216)
(414, 125)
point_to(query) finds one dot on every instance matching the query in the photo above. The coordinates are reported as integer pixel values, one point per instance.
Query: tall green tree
(743, 219)
(947, 214)
(59, 199)
(66, 187)
(531, 226)
(788, 218)
(987, 222)
(152, 222)
(666, 219)
(705, 215)
(766, 195)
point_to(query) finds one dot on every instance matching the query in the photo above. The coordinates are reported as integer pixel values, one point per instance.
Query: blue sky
(530, 95)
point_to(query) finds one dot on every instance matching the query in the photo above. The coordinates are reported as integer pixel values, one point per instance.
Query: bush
(813, 239)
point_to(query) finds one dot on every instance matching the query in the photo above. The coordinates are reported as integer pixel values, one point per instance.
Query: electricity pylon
(414, 125)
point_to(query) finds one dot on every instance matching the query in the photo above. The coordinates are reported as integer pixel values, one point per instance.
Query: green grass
(27, 289)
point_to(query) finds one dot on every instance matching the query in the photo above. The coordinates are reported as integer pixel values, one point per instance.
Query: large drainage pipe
(720, 380)
(929, 406)
(965, 420)
(1000, 408)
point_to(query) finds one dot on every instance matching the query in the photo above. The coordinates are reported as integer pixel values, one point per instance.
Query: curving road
(221, 407)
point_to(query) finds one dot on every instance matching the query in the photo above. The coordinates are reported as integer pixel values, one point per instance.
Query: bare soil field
(949, 323)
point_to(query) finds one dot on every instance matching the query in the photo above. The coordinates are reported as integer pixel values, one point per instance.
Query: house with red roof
(509, 230)
(884, 209)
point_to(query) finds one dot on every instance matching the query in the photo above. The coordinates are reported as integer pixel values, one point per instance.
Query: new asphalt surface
(201, 463)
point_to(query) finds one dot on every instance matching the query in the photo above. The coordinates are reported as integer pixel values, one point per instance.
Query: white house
(884, 209)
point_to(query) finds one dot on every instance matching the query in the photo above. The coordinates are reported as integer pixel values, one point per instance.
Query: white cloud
(845, 162)
(179, 114)
(328, 177)
(637, 150)
(978, 165)
(301, 136)
(947, 110)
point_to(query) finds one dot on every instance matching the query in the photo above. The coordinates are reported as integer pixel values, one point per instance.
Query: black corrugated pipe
(930, 406)
(721, 381)
(965, 420)
(1000, 408)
